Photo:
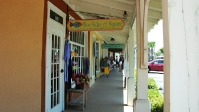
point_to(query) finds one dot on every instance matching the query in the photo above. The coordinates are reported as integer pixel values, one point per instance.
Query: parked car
(160, 57)
(156, 65)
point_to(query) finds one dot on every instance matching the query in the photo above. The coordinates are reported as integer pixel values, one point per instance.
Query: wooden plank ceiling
(100, 9)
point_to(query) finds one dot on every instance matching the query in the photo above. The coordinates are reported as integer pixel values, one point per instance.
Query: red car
(156, 65)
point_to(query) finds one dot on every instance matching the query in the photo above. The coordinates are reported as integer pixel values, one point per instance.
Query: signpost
(107, 46)
(96, 25)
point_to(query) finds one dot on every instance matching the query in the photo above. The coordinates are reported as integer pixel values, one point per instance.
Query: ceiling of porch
(102, 9)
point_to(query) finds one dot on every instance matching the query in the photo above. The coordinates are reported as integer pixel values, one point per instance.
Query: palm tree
(158, 53)
(151, 49)
(162, 50)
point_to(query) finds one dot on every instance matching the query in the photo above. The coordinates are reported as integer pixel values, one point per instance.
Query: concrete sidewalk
(106, 95)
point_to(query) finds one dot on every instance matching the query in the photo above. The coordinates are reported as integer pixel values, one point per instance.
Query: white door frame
(98, 58)
(47, 74)
(93, 58)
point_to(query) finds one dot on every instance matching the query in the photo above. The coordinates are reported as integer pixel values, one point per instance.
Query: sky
(156, 35)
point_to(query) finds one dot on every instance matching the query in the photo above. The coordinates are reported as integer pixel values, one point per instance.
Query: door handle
(62, 70)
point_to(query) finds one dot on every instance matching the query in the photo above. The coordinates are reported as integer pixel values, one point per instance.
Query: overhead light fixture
(125, 15)
(112, 39)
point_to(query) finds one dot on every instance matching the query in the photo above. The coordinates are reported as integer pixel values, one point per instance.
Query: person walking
(120, 63)
(117, 62)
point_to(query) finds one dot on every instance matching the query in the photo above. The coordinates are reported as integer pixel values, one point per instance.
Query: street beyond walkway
(159, 79)
(106, 95)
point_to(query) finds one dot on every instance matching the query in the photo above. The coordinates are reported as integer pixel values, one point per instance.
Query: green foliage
(162, 50)
(151, 44)
(156, 100)
(152, 84)
(158, 53)
(154, 96)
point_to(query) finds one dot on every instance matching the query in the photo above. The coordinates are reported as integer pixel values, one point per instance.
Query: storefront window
(77, 47)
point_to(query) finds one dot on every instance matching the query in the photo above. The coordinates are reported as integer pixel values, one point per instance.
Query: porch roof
(100, 9)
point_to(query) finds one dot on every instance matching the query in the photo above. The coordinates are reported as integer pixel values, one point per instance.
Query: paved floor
(106, 95)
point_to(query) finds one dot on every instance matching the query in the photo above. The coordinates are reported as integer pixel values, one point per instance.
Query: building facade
(31, 33)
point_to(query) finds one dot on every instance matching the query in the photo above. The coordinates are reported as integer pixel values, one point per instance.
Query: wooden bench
(80, 101)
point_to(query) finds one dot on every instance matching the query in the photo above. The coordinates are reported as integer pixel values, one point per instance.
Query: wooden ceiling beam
(155, 5)
(93, 7)
(152, 20)
(112, 4)
(150, 25)
(155, 14)
(130, 2)
(86, 10)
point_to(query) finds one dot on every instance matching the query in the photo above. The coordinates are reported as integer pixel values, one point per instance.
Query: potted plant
(81, 80)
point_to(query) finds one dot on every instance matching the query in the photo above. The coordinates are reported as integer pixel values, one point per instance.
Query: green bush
(154, 96)
(152, 84)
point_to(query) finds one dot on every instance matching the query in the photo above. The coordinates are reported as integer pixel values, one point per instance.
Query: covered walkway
(106, 95)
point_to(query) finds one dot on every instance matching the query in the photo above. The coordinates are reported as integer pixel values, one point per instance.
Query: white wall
(181, 47)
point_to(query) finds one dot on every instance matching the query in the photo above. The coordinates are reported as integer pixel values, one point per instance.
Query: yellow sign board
(96, 25)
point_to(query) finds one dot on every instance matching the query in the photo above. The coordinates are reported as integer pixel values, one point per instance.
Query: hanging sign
(107, 46)
(95, 25)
